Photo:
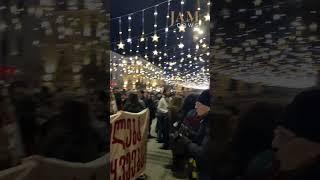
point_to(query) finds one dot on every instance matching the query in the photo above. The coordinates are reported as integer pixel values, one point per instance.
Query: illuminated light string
(139, 11)
(279, 4)
(120, 45)
(207, 16)
(167, 28)
(195, 70)
(129, 40)
(171, 67)
(151, 34)
(142, 39)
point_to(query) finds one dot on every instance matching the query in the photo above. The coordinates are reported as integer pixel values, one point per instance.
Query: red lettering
(128, 163)
(133, 159)
(139, 130)
(123, 163)
(134, 134)
(113, 168)
(139, 161)
(120, 124)
(128, 142)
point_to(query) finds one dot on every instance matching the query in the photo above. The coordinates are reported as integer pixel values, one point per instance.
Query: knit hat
(303, 116)
(204, 98)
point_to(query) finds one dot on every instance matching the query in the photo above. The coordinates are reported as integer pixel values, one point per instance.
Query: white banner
(129, 133)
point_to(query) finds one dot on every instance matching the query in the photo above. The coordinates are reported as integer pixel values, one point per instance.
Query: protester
(150, 104)
(118, 99)
(174, 112)
(163, 120)
(198, 146)
(296, 143)
(254, 134)
(113, 104)
(188, 104)
(133, 104)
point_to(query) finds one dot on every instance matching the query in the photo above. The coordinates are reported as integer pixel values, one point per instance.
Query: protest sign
(128, 144)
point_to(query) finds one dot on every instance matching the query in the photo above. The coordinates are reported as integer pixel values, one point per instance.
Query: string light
(142, 34)
(181, 45)
(165, 58)
(207, 16)
(182, 28)
(155, 37)
(120, 45)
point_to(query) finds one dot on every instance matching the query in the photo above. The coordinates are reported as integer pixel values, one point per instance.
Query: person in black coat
(152, 109)
(198, 147)
(133, 104)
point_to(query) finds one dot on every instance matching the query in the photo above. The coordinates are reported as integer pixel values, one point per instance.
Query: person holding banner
(133, 104)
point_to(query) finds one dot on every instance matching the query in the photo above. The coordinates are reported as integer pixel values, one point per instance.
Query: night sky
(123, 7)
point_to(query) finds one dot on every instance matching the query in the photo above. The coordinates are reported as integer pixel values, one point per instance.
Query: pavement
(157, 159)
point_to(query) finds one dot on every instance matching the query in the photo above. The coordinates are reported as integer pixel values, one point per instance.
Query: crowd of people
(181, 122)
(60, 123)
(264, 140)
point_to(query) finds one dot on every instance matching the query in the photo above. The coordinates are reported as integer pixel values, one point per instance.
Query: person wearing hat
(296, 142)
(197, 147)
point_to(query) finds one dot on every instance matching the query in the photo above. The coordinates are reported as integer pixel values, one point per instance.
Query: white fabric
(129, 133)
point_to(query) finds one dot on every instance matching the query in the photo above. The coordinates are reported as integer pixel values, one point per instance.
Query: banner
(128, 144)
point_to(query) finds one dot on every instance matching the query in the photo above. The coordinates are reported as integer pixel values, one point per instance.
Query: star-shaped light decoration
(182, 28)
(142, 39)
(155, 52)
(189, 56)
(155, 38)
(181, 45)
(120, 45)
(207, 17)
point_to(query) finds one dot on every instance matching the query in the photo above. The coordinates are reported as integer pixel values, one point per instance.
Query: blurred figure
(189, 113)
(254, 133)
(296, 142)
(71, 136)
(149, 102)
(117, 95)
(25, 107)
(133, 104)
(113, 104)
(175, 110)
